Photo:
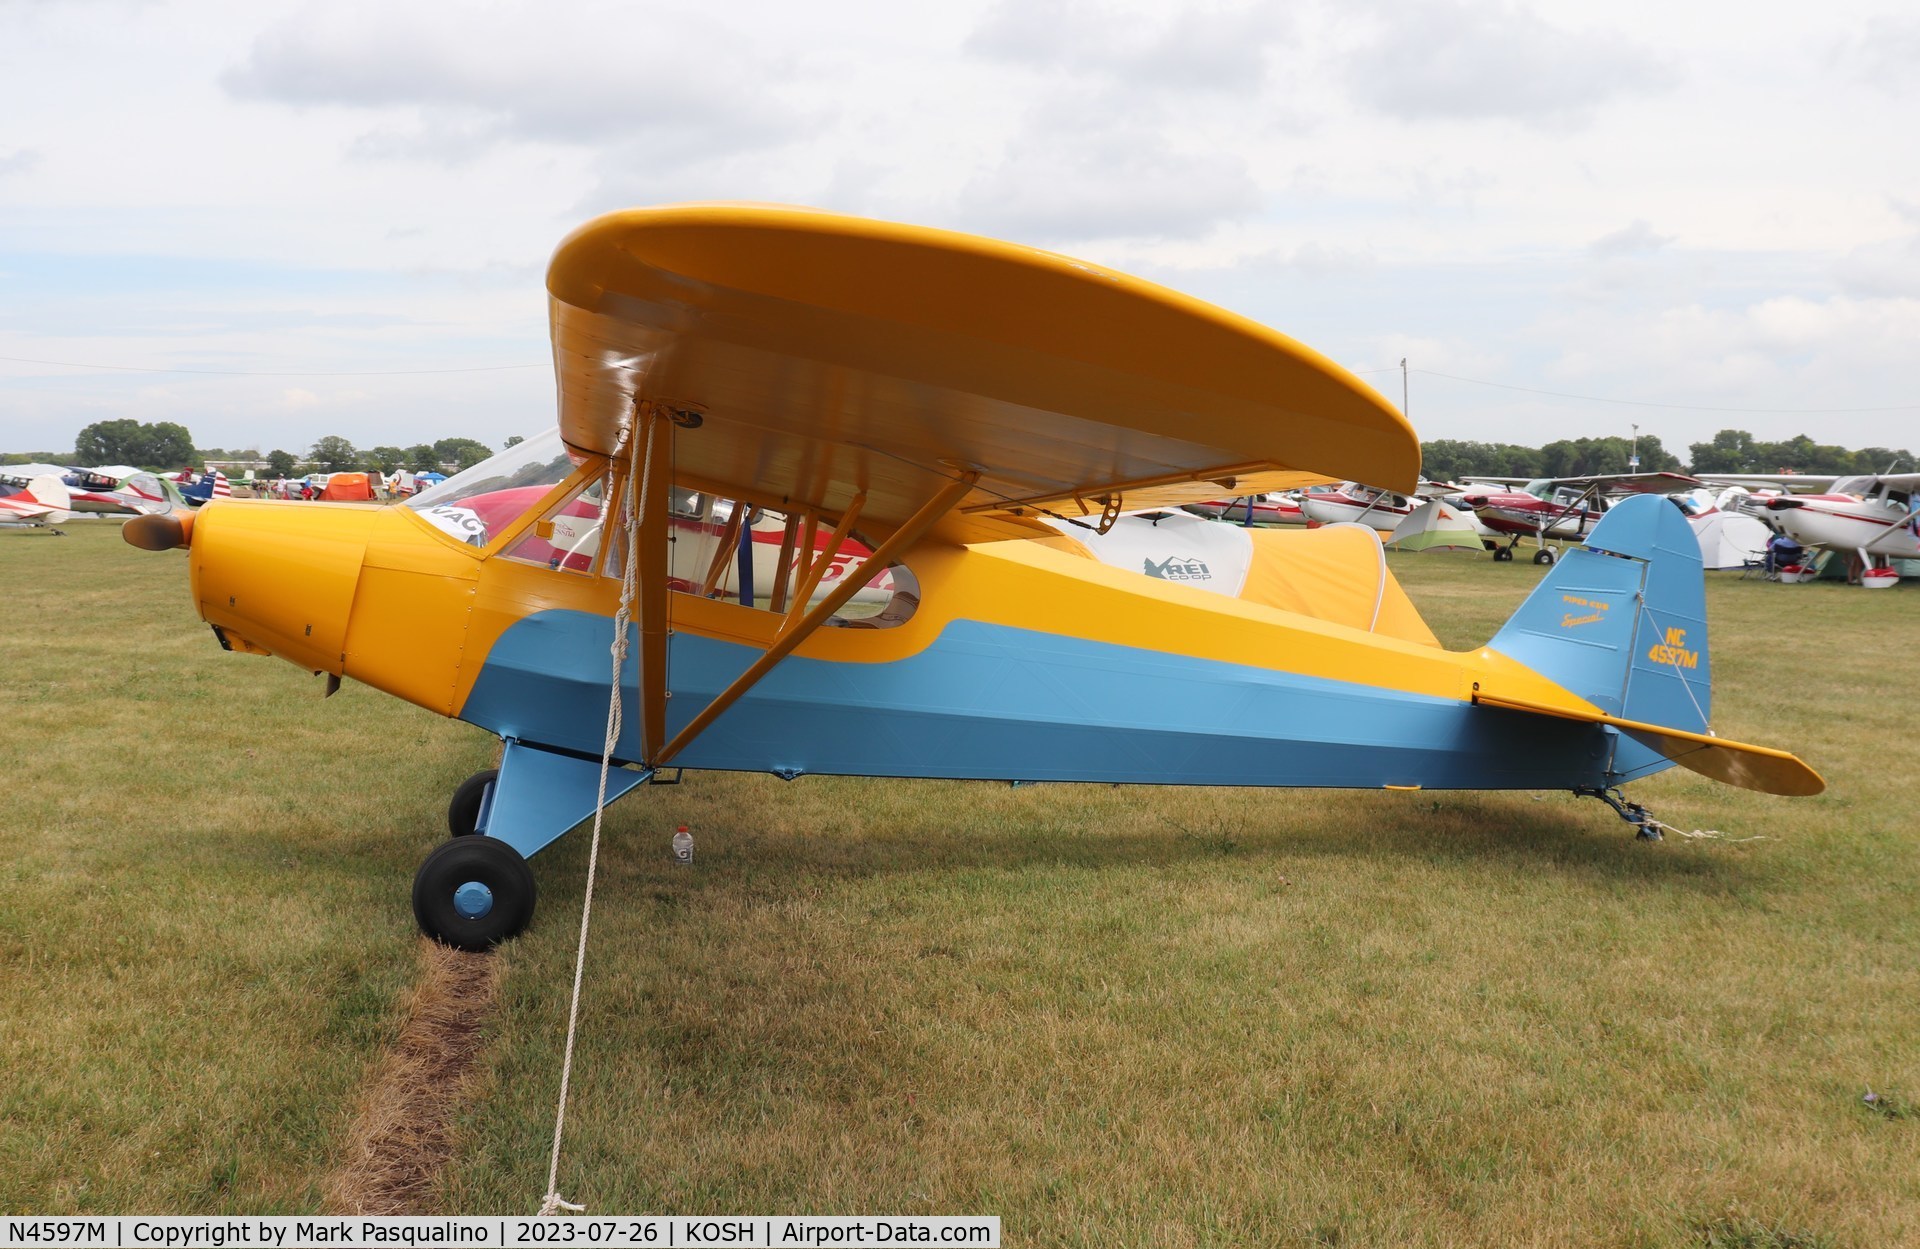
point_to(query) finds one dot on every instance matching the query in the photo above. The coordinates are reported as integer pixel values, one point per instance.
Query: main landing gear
(1504, 554)
(475, 890)
(473, 893)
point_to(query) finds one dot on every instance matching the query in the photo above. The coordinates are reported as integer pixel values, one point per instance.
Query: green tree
(169, 445)
(1447, 459)
(334, 454)
(1731, 451)
(387, 459)
(512, 442)
(464, 452)
(282, 463)
(163, 444)
(120, 441)
(421, 458)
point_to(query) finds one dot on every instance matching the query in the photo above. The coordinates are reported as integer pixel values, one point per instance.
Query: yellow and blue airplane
(938, 397)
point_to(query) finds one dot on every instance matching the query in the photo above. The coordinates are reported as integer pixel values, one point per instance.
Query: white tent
(1729, 539)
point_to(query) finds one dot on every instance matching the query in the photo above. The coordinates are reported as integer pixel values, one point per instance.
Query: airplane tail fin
(1622, 624)
(51, 491)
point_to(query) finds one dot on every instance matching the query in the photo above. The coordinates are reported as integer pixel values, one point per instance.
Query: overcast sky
(334, 218)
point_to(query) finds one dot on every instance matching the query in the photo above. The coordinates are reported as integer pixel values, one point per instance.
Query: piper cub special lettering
(961, 424)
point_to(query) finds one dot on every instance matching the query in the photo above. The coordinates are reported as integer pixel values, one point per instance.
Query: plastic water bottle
(683, 846)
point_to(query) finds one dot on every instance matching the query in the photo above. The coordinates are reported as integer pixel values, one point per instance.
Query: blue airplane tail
(1622, 621)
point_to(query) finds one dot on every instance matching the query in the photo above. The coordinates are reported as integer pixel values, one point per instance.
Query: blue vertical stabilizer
(1622, 622)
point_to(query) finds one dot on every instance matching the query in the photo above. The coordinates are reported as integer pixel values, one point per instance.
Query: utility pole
(1403, 386)
(1633, 456)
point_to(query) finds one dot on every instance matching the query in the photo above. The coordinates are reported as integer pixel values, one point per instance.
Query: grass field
(1110, 1016)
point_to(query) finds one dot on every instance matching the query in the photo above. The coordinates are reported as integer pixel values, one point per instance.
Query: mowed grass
(204, 873)
(1108, 1015)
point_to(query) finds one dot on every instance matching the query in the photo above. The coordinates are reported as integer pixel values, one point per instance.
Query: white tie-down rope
(1701, 834)
(629, 583)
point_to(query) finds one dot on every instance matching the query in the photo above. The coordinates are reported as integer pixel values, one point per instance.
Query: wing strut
(653, 565)
(799, 628)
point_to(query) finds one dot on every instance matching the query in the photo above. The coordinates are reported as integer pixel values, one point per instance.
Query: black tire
(1543, 556)
(1503, 555)
(501, 874)
(464, 811)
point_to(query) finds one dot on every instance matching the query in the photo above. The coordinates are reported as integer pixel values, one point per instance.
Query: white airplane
(1358, 504)
(43, 504)
(1876, 516)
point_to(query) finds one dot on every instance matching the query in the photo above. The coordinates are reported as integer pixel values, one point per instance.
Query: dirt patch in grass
(402, 1133)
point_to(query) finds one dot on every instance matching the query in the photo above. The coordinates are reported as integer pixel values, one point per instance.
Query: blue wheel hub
(473, 900)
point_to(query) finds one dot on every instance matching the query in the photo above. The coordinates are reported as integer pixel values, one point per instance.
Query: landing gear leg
(1646, 828)
(476, 890)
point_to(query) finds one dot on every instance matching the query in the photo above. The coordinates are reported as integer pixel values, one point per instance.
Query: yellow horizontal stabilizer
(1735, 763)
(811, 358)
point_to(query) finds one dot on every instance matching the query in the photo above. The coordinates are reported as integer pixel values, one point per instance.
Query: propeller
(159, 531)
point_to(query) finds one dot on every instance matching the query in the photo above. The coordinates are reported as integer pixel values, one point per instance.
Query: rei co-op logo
(1173, 568)
(1673, 652)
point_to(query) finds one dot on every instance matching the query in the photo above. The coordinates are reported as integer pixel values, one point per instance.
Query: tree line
(167, 446)
(1729, 451)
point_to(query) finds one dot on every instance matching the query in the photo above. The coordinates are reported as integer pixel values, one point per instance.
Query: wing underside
(813, 359)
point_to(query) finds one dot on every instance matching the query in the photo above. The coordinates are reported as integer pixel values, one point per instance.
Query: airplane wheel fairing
(472, 893)
(1543, 557)
(463, 812)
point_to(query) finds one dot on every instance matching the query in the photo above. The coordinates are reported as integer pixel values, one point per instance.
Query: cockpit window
(704, 558)
(568, 536)
(478, 503)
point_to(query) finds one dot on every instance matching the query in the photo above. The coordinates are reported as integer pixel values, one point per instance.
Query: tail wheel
(472, 893)
(463, 813)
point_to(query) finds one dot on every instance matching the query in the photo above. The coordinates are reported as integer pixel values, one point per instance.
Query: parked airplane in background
(945, 396)
(1873, 516)
(1274, 508)
(1358, 504)
(135, 493)
(43, 503)
(201, 488)
(1566, 508)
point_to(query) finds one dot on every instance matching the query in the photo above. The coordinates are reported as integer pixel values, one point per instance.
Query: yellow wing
(814, 357)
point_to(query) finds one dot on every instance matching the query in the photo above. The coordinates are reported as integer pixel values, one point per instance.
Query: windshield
(479, 502)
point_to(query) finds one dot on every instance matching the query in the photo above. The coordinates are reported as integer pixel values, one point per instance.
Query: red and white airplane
(1354, 503)
(1274, 508)
(1876, 516)
(113, 493)
(1566, 508)
(42, 504)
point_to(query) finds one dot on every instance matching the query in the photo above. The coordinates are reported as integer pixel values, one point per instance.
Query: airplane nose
(280, 577)
(160, 531)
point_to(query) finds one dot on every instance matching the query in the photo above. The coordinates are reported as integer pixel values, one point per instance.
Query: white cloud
(1190, 49)
(680, 81)
(1885, 52)
(1453, 60)
(1635, 239)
